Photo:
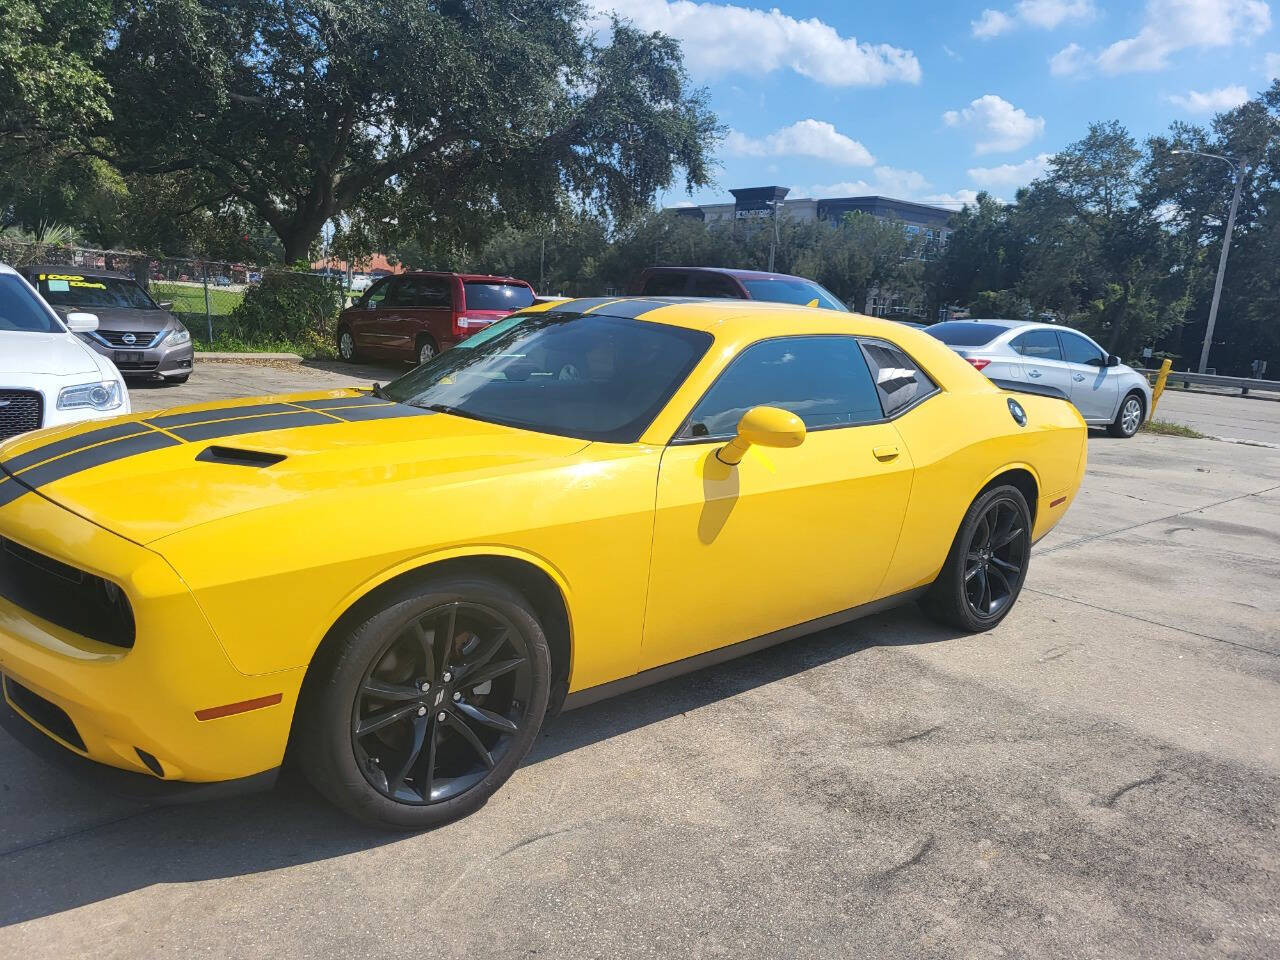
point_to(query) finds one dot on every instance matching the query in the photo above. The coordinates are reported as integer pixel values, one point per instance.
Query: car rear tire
(407, 732)
(987, 565)
(347, 351)
(1129, 417)
(427, 350)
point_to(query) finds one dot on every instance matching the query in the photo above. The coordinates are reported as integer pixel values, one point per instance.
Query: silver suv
(1105, 391)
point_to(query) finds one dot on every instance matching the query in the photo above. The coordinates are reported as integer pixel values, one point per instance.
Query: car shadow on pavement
(116, 848)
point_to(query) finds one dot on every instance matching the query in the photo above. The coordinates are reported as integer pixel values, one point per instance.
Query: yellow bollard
(1158, 389)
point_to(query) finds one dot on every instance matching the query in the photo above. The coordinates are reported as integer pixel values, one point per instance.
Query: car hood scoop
(146, 477)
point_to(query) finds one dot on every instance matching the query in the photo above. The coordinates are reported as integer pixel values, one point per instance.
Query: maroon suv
(413, 316)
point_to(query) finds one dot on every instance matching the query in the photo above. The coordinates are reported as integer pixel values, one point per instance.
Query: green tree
(416, 117)
(862, 254)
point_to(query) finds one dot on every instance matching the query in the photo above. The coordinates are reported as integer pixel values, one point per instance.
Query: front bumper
(160, 362)
(134, 709)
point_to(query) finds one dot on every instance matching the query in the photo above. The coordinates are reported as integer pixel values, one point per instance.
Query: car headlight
(178, 337)
(96, 396)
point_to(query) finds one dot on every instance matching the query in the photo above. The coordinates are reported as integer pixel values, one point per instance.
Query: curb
(296, 358)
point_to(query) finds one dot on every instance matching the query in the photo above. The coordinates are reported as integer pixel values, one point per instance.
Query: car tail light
(978, 362)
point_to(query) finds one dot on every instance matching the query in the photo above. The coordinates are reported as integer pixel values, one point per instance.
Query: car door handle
(886, 452)
(1033, 373)
(1078, 377)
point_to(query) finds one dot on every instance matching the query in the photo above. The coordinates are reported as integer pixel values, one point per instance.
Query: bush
(287, 307)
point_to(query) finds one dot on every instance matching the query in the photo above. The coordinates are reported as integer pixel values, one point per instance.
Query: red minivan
(413, 316)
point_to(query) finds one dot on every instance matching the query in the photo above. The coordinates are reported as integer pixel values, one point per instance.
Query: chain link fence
(201, 293)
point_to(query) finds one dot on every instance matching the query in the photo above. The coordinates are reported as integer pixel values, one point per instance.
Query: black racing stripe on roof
(219, 413)
(581, 306)
(70, 444)
(230, 428)
(385, 411)
(56, 470)
(335, 403)
(633, 309)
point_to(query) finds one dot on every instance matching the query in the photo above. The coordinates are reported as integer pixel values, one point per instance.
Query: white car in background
(1047, 357)
(48, 375)
(361, 282)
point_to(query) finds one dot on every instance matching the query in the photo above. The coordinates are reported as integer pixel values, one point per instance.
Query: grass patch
(188, 299)
(1163, 428)
(224, 342)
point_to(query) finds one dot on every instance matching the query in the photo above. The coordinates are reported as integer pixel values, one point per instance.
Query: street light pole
(773, 245)
(1237, 168)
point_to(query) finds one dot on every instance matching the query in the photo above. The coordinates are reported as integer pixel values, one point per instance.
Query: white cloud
(954, 199)
(722, 38)
(1067, 61)
(1174, 25)
(1211, 101)
(1042, 14)
(991, 23)
(1271, 66)
(805, 138)
(887, 181)
(1010, 175)
(995, 124)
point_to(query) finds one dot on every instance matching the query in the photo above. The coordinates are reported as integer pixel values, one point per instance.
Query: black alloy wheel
(442, 704)
(995, 558)
(984, 572)
(417, 708)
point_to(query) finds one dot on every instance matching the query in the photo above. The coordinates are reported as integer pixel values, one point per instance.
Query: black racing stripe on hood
(10, 490)
(219, 413)
(385, 411)
(70, 444)
(230, 428)
(81, 460)
(335, 403)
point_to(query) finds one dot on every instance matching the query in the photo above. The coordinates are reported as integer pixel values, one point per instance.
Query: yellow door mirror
(766, 426)
(812, 303)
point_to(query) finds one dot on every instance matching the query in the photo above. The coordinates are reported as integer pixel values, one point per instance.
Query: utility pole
(1222, 267)
(773, 245)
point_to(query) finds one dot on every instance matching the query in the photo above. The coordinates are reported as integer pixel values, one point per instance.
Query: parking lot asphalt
(1099, 776)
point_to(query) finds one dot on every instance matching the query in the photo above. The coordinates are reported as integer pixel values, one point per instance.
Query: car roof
(78, 270)
(995, 322)
(729, 271)
(464, 277)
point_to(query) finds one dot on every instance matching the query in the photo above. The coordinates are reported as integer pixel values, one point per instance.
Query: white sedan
(48, 375)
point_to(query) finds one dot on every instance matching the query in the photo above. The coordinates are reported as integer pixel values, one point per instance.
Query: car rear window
(497, 296)
(20, 311)
(72, 289)
(792, 290)
(964, 333)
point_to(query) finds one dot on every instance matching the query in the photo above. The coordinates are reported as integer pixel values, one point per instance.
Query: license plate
(124, 357)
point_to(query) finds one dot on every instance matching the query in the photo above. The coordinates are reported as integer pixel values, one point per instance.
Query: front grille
(128, 365)
(47, 715)
(64, 595)
(141, 338)
(20, 411)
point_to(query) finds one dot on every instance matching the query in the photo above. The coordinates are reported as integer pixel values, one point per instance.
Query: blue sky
(936, 100)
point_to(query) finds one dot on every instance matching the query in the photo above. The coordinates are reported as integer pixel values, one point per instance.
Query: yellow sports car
(400, 585)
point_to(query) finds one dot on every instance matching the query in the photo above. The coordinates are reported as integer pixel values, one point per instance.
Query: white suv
(48, 375)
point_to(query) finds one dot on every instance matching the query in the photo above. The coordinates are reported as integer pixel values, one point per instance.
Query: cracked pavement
(1100, 776)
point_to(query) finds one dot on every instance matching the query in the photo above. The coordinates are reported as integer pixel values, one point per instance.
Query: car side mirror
(766, 426)
(165, 305)
(82, 322)
(1113, 360)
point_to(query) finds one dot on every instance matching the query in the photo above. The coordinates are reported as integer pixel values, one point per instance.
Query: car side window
(1077, 349)
(1038, 345)
(898, 379)
(715, 285)
(378, 294)
(824, 380)
(435, 292)
(665, 284)
(420, 292)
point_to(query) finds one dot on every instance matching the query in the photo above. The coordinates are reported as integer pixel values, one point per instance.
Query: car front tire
(1128, 418)
(987, 566)
(416, 715)
(347, 346)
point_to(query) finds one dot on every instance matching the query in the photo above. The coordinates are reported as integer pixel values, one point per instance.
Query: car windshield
(964, 333)
(71, 289)
(578, 375)
(497, 296)
(20, 310)
(791, 290)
